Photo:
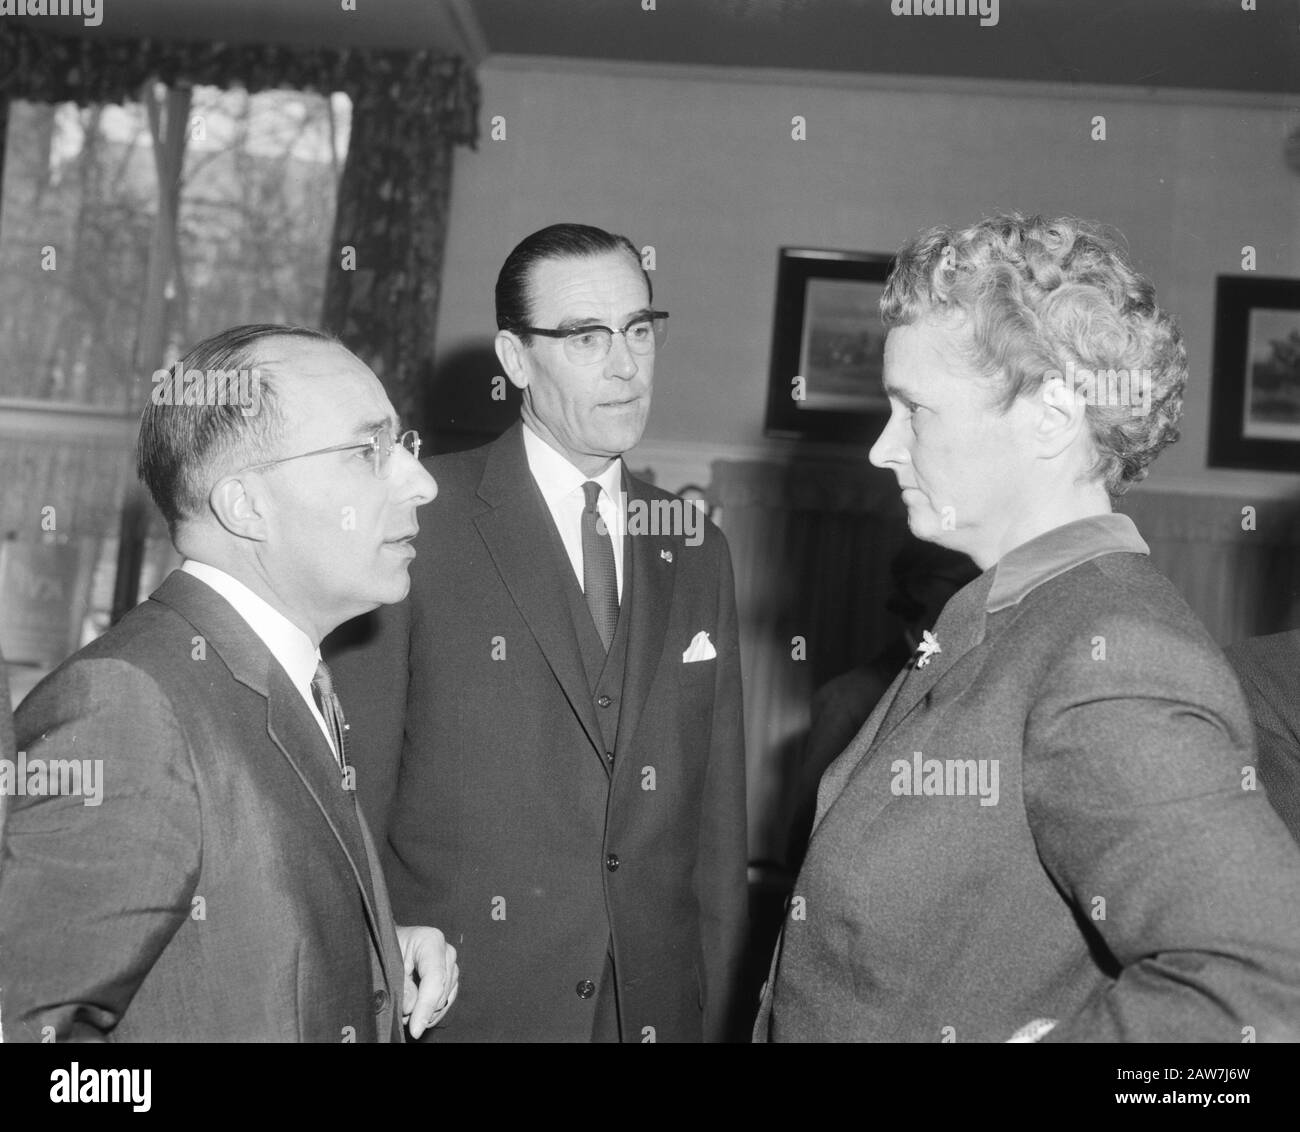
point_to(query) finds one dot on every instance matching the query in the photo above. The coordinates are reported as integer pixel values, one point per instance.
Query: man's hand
(427, 954)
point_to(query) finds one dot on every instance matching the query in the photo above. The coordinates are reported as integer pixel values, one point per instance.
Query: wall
(700, 163)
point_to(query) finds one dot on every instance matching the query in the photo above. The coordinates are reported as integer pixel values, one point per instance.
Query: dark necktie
(599, 581)
(332, 709)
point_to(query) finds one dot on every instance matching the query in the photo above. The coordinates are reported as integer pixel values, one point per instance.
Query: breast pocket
(695, 685)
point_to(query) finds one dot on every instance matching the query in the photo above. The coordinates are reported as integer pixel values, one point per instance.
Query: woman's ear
(1061, 417)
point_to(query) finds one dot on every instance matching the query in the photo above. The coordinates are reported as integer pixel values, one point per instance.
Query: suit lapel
(517, 533)
(289, 724)
(654, 578)
(292, 729)
(841, 770)
(959, 629)
(390, 951)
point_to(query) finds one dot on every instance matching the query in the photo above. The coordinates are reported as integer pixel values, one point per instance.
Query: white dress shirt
(561, 486)
(290, 646)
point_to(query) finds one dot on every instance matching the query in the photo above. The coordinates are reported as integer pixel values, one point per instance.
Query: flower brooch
(926, 650)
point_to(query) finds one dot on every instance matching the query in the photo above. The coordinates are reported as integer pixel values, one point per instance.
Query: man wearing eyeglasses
(555, 714)
(222, 885)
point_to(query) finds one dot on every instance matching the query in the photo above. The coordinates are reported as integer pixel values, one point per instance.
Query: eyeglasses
(587, 345)
(380, 448)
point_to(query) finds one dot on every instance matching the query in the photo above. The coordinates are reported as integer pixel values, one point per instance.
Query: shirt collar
(1050, 555)
(288, 644)
(557, 478)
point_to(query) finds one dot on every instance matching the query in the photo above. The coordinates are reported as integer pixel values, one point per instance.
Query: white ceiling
(1160, 43)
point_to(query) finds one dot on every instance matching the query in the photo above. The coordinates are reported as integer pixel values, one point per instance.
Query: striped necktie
(599, 579)
(332, 709)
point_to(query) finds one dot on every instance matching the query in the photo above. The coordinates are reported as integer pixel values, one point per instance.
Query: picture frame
(824, 381)
(1255, 388)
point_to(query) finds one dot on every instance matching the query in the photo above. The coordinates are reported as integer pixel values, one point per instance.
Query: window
(89, 276)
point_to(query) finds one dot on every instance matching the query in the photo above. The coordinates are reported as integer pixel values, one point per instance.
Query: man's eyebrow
(582, 323)
(371, 427)
(893, 389)
(578, 323)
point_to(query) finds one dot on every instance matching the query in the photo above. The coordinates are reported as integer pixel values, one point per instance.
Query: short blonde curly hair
(1054, 297)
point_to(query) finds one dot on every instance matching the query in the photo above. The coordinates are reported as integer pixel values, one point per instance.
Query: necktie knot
(322, 681)
(591, 489)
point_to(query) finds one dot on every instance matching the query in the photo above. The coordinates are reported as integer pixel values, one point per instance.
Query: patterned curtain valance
(88, 69)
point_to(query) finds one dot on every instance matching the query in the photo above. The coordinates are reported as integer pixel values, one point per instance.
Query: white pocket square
(1033, 1031)
(700, 648)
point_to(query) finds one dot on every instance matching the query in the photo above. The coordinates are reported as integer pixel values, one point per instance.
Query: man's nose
(426, 485)
(621, 361)
(413, 480)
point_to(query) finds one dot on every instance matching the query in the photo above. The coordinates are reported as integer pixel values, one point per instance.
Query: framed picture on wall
(1255, 391)
(828, 346)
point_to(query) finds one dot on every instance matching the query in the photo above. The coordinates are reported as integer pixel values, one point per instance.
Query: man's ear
(1062, 416)
(510, 353)
(240, 505)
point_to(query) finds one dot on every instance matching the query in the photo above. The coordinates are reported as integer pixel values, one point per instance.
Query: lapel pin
(666, 555)
(926, 650)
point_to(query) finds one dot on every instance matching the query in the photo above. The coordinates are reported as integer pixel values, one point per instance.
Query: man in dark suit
(1045, 830)
(195, 869)
(555, 714)
(1269, 670)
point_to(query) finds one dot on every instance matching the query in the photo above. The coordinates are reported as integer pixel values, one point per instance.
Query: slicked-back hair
(1040, 297)
(559, 241)
(183, 448)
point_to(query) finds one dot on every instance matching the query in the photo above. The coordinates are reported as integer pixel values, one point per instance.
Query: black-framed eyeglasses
(586, 345)
(381, 446)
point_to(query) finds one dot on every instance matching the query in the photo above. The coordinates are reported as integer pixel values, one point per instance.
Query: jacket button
(611, 862)
(605, 701)
(380, 1000)
(586, 988)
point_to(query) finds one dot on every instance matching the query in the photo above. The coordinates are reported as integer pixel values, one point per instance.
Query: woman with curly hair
(1050, 826)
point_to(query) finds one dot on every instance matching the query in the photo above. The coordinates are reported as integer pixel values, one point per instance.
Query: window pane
(257, 210)
(79, 207)
(78, 213)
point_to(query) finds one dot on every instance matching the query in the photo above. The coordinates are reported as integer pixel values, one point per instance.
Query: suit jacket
(1122, 883)
(1269, 670)
(481, 761)
(223, 888)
